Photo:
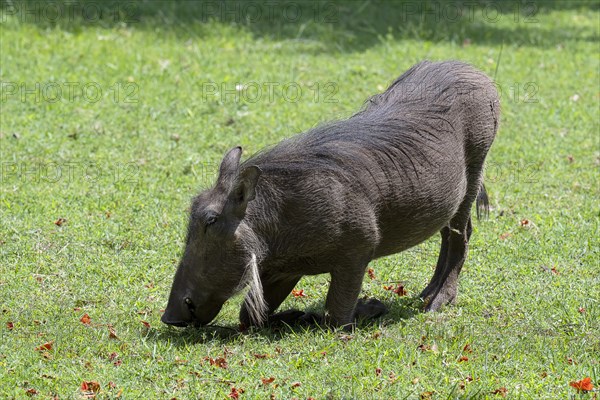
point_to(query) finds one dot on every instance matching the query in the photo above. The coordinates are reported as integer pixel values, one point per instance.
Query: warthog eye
(188, 301)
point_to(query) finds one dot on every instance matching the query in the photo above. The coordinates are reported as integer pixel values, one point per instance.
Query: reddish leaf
(149, 285)
(584, 385)
(112, 356)
(525, 223)
(463, 359)
(581, 310)
(378, 371)
(398, 289)
(45, 346)
(60, 222)
(371, 273)
(298, 293)
(502, 391)
(31, 392)
(90, 387)
(554, 270)
(570, 361)
(467, 348)
(505, 235)
(86, 320)
(266, 381)
(10, 326)
(118, 363)
(260, 356)
(220, 362)
(296, 384)
(145, 323)
(235, 393)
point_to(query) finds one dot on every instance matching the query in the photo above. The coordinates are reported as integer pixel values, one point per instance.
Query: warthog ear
(243, 189)
(229, 165)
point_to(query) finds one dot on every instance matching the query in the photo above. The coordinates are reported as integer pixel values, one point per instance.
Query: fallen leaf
(467, 348)
(426, 395)
(378, 371)
(10, 326)
(584, 385)
(60, 222)
(570, 158)
(112, 356)
(298, 293)
(220, 362)
(296, 384)
(111, 333)
(463, 359)
(371, 273)
(415, 381)
(149, 285)
(235, 393)
(502, 391)
(86, 320)
(31, 392)
(261, 356)
(118, 363)
(570, 361)
(580, 309)
(505, 236)
(398, 289)
(554, 270)
(145, 323)
(45, 346)
(266, 381)
(525, 223)
(90, 388)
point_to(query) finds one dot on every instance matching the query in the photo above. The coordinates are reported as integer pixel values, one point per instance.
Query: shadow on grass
(331, 26)
(399, 311)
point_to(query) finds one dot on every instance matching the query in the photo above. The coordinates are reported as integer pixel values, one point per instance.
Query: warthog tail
(482, 204)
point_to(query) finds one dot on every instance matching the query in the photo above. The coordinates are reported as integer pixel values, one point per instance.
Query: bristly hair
(255, 302)
(482, 203)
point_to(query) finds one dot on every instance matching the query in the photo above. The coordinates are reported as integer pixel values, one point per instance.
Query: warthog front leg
(343, 294)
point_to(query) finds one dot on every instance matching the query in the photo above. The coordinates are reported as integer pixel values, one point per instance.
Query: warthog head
(218, 259)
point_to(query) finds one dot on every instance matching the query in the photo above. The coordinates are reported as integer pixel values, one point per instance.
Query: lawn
(113, 115)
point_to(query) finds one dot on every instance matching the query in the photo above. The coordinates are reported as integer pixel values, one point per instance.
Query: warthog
(330, 200)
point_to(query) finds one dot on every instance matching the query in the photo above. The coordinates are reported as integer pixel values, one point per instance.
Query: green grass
(121, 170)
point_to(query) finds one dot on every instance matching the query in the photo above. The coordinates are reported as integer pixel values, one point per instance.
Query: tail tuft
(482, 204)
